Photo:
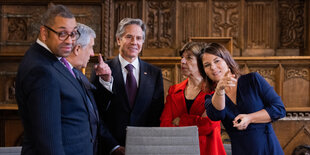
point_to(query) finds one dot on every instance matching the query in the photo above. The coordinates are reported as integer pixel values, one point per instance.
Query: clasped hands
(103, 70)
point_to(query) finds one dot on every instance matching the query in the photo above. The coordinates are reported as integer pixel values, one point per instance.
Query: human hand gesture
(176, 121)
(103, 70)
(119, 151)
(204, 114)
(242, 121)
(228, 80)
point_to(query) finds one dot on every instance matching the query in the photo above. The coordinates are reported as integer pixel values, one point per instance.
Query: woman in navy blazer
(246, 104)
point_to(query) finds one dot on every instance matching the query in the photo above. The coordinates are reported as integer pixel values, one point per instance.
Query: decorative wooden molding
(227, 20)
(159, 22)
(225, 41)
(191, 23)
(291, 21)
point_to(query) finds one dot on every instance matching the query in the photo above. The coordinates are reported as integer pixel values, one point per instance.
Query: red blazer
(209, 131)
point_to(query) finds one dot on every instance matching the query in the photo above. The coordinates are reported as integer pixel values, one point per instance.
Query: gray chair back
(162, 140)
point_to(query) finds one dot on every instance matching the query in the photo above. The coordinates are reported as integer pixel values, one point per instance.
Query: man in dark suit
(134, 94)
(78, 59)
(52, 103)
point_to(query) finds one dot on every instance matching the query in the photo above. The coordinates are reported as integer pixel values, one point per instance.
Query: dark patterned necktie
(65, 62)
(131, 85)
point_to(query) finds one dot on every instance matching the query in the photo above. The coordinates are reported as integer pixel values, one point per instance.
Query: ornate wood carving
(159, 22)
(7, 80)
(21, 27)
(124, 9)
(260, 25)
(297, 72)
(193, 21)
(106, 38)
(291, 23)
(226, 20)
(296, 80)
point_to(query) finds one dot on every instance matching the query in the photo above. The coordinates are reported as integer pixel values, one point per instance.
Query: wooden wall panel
(227, 21)
(160, 21)
(122, 9)
(297, 82)
(291, 27)
(19, 27)
(292, 133)
(260, 28)
(193, 21)
(91, 16)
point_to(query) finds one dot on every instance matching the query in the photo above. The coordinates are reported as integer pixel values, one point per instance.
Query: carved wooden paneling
(193, 21)
(291, 21)
(20, 27)
(159, 20)
(7, 81)
(267, 72)
(260, 30)
(296, 79)
(226, 21)
(169, 73)
(292, 133)
(89, 15)
(123, 9)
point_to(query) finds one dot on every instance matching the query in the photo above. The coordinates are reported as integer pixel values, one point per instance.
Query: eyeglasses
(63, 35)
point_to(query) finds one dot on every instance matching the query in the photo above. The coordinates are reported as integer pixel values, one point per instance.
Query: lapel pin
(145, 73)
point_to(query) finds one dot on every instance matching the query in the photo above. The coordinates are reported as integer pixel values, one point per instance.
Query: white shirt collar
(45, 46)
(124, 62)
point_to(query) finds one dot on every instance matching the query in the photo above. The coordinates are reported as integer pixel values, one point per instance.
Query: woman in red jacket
(185, 104)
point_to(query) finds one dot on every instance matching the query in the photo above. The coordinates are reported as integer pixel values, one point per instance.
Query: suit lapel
(86, 86)
(64, 71)
(144, 82)
(118, 84)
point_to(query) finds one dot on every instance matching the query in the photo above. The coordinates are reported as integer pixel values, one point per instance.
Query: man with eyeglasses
(133, 89)
(51, 101)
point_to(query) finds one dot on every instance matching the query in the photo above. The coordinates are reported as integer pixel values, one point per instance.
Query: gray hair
(53, 11)
(129, 21)
(85, 33)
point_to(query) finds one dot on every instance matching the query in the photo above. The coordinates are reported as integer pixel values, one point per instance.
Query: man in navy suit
(78, 59)
(51, 101)
(139, 104)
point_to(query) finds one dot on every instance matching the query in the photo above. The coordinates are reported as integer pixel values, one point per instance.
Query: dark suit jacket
(98, 128)
(52, 105)
(115, 108)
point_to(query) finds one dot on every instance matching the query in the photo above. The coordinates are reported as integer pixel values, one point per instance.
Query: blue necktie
(131, 85)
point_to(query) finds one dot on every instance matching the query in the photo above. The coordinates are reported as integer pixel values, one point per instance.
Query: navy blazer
(114, 107)
(52, 105)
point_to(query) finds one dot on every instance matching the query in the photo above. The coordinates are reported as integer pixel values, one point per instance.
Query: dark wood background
(271, 37)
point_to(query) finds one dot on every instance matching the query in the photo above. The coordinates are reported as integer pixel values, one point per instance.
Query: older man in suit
(134, 94)
(78, 59)
(52, 103)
